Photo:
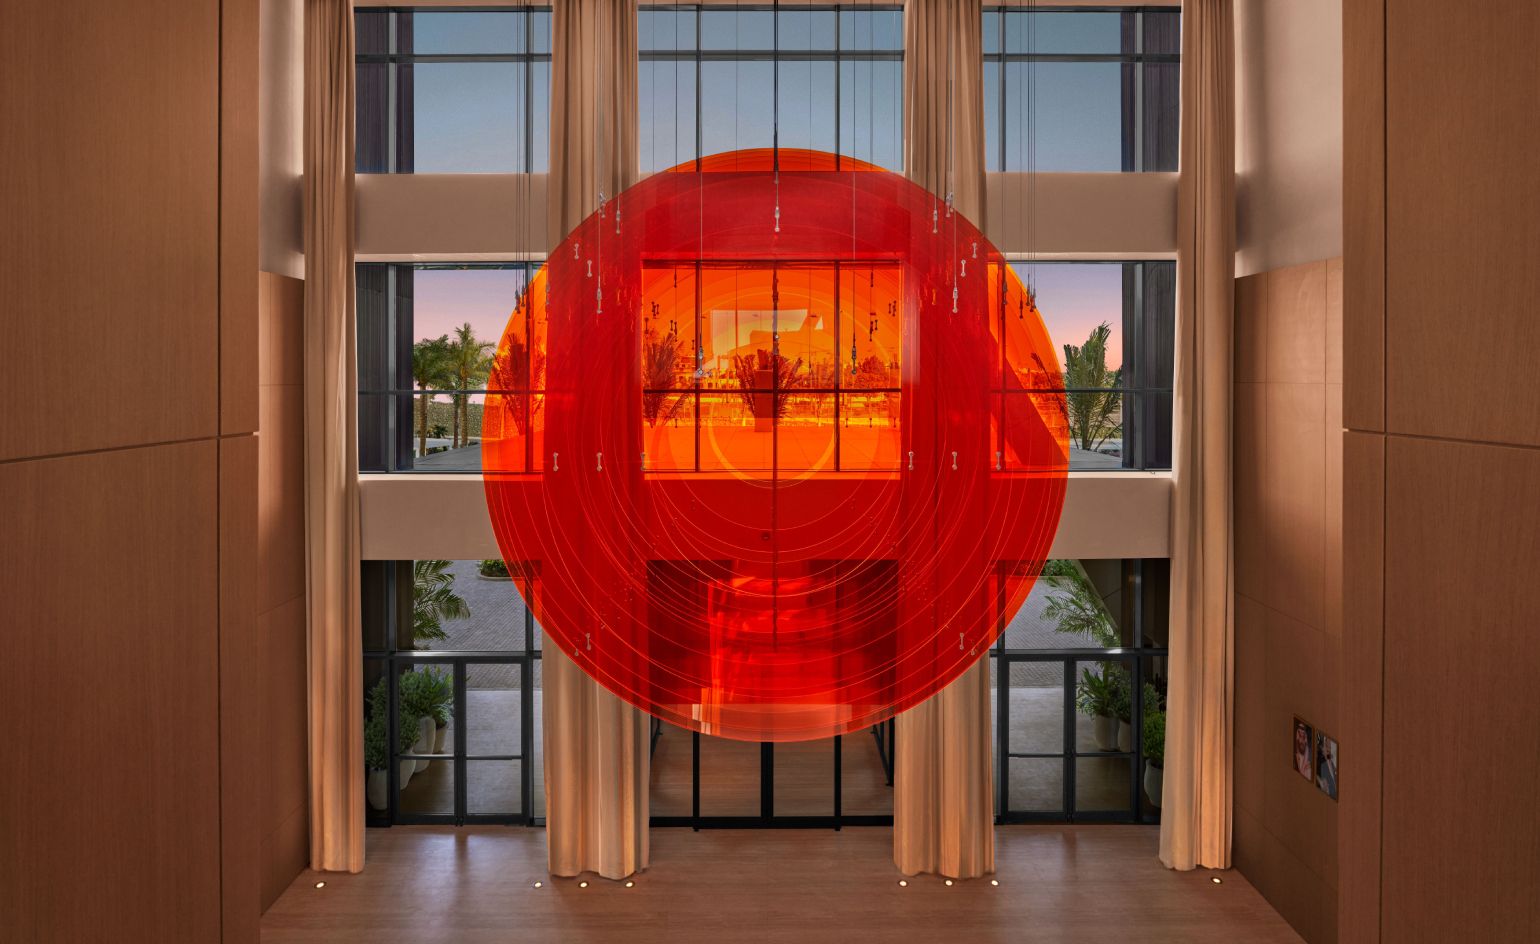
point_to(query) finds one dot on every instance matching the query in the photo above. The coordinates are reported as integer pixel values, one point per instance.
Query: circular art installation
(774, 453)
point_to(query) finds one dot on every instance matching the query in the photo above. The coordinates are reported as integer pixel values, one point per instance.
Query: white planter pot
(1154, 778)
(1104, 731)
(376, 790)
(426, 731)
(404, 773)
(1125, 736)
(438, 739)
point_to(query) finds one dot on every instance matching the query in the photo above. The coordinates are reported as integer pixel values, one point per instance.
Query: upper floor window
(1079, 90)
(715, 79)
(453, 91)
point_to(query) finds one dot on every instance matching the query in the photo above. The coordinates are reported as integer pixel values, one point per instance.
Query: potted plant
(494, 569)
(1094, 696)
(1154, 744)
(419, 692)
(376, 746)
(432, 693)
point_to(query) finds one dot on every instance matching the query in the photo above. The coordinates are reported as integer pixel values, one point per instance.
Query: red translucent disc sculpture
(775, 453)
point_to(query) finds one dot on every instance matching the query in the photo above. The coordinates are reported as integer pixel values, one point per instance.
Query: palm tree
(430, 371)
(1092, 396)
(470, 362)
(660, 362)
(434, 600)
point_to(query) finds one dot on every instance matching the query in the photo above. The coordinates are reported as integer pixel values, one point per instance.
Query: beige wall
(127, 470)
(1442, 473)
(1288, 132)
(1288, 594)
(281, 126)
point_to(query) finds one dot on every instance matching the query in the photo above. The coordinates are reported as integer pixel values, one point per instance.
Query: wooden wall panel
(1462, 747)
(1462, 200)
(1363, 213)
(1288, 432)
(238, 206)
(240, 743)
(110, 201)
(110, 807)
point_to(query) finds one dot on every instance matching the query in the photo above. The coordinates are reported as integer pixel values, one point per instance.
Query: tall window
(716, 79)
(426, 336)
(1077, 90)
(453, 91)
(1113, 322)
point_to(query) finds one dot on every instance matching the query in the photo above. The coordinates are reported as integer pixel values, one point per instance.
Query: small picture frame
(1326, 763)
(1304, 749)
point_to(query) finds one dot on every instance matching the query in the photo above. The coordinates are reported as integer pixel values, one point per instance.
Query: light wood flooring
(1057, 884)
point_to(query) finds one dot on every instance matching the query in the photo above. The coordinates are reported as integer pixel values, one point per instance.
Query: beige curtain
(1195, 813)
(943, 802)
(331, 446)
(596, 746)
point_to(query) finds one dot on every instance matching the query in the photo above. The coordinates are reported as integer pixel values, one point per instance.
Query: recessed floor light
(994, 881)
(1217, 880)
(582, 884)
(538, 884)
(320, 884)
(903, 883)
(949, 881)
(630, 884)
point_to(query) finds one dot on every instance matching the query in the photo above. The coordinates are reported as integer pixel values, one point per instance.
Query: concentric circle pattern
(775, 452)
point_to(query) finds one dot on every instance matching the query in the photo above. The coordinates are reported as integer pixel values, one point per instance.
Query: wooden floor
(1057, 884)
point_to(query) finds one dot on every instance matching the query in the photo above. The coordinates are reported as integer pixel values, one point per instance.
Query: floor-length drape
(1195, 811)
(331, 446)
(943, 805)
(596, 746)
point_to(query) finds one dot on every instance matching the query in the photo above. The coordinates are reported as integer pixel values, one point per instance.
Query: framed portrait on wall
(1326, 763)
(1304, 756)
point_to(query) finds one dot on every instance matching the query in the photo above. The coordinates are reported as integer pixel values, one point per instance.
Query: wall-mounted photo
(1326, 763)
(1303, 758)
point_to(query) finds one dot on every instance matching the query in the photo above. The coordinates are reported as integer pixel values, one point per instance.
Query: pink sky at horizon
(1073, 297)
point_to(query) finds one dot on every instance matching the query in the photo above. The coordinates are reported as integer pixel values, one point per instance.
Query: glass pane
(424, 720)
(729, 777)
(1073, 604)
(1161, 112)
(666, 97)
(1036, 701)
(493, 710)
(737, 105)
(806, 105)
(863, 781)
(1101, 784)
(371, 118)
(991, 31)
(737, 29)
(671, 768)
(805, 432)
(991, 115)
(371, 32)
(540, 117)
(805, 29)
(1035, 784)
(1076, 301)
(1062, 32)
(458, 317)
(540, 31)
(1075, 112)
(469, 117)
(870, 438)
(467, 605)
(872, 29)
(804, 778)
(665, 29)
(872, 112)
(460, 33)
(493, 788)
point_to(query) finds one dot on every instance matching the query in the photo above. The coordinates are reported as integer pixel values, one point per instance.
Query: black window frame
(385, 124)
(1134, 155)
